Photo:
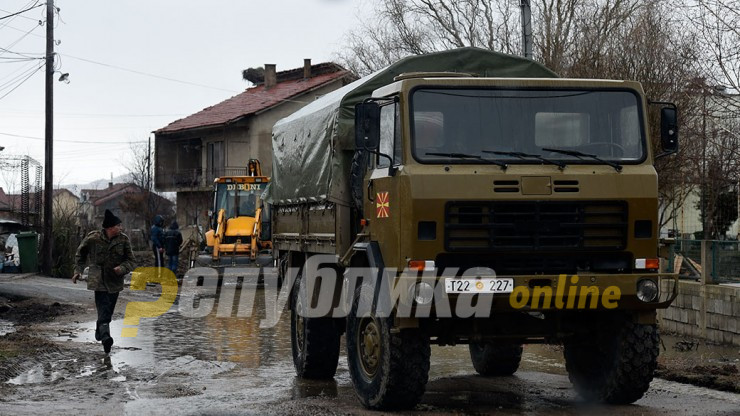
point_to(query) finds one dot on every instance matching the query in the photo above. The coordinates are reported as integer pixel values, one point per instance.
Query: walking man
(108, 252)
(157, 237)
(172, 242)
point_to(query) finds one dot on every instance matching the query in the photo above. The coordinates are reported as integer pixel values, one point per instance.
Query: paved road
(178, 365)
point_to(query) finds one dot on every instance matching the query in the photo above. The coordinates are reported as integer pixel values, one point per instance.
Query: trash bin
(28, 243)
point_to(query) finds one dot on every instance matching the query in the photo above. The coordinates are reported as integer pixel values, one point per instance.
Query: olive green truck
(470, 197)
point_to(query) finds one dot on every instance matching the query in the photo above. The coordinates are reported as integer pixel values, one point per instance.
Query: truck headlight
(422, 293)
(647, 290)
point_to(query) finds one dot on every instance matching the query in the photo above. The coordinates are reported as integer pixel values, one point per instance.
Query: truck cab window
(390, 137)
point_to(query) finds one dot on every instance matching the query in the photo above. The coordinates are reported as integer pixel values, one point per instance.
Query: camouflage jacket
(104, 255)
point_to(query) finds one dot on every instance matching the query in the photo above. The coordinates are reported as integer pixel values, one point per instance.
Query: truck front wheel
(314, 341)
(388, 370)
(495, 358)
(614, 364)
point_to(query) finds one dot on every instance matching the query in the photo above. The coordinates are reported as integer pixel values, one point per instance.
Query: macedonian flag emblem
(382, 204)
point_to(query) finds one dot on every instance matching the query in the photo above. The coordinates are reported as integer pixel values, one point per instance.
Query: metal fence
(723, 257)
(195, 177)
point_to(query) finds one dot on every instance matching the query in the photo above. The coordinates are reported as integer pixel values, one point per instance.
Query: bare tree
(411, 27)
(139, 165)
(716, 24)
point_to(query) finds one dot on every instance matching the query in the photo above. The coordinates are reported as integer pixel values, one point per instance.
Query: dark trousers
(172, 263)
(105, 303)
(158, 258)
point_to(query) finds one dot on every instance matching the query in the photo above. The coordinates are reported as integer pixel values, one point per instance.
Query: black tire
(495, 358)
(314, 341)
(395, 370)
(614, 365)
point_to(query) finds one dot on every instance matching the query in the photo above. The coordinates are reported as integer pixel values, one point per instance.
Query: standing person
(157, 237)
(108, 251)
(172, 242)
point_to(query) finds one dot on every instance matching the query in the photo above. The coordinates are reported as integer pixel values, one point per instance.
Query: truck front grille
(497, 226)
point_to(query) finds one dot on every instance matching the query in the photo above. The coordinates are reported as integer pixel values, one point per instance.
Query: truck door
(382, 201)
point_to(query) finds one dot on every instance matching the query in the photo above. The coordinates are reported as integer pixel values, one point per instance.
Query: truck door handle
(369, 191)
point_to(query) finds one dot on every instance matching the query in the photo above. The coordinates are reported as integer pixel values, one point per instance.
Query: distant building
(220, 140)
(127, 201)
(11, 208)
(65, 204)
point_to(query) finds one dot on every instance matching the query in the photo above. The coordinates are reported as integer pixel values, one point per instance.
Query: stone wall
(705, 311)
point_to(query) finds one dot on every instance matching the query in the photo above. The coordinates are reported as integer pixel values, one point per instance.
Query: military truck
(494, 203)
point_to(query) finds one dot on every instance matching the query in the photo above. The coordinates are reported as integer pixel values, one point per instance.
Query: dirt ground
(78, 371)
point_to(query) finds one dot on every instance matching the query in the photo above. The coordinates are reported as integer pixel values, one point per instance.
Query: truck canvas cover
(312, 148)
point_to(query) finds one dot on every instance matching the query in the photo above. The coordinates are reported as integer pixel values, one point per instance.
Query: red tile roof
(290, 84)
(100, 196)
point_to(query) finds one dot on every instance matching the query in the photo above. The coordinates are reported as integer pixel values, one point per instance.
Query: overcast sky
(105, 107)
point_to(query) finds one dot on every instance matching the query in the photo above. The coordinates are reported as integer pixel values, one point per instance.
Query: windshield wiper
(467, 156)
(524, 156)
(581, 155)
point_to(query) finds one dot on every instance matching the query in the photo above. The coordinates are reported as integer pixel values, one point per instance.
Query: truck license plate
(484, 285)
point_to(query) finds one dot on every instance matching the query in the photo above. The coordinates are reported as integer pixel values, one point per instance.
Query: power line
(94, 115)
(147, 74)
(21, 30)
(70, 141)
(21, 12)
(7, 49)
(22, 82)
(24, 73)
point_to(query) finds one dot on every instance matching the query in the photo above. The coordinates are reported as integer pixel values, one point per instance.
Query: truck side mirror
(266, 234)
(367, 125)
(669, 130)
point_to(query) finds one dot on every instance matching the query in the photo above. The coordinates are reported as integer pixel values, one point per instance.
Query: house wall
(65, 204)
(192, 208)
(248, 139)
(688, 219)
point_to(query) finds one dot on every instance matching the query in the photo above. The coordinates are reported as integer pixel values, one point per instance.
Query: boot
(107, 344)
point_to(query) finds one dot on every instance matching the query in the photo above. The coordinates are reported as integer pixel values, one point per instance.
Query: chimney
(306, 68)
(270, 76)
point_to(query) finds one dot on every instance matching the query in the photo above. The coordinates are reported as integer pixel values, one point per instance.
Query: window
(488, 123)
(215, 159)
(390, 136)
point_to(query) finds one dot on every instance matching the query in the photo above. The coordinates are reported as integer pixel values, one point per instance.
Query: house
(11, 208)
(131, 203)
(219, 140)
(715, 142)
(66, 204)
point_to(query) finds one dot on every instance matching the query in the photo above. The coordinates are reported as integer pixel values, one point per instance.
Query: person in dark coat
(109, 254)
(157, 236)
(172, 242)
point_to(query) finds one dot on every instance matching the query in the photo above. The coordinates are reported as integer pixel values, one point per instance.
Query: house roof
(57, 192)
(100, 196)
(289, 85)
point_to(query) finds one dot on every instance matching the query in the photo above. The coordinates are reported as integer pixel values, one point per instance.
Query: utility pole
(526, 29)
(49, 138)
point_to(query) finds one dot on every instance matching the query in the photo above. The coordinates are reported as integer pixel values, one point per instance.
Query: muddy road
(50, 362)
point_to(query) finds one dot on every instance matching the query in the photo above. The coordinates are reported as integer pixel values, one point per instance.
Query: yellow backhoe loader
(237, 220)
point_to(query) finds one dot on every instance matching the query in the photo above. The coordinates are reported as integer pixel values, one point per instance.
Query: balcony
(193, 179)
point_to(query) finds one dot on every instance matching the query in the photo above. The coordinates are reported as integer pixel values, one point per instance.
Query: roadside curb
(8, 277)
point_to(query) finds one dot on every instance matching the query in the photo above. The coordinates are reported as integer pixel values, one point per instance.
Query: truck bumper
(546, 292)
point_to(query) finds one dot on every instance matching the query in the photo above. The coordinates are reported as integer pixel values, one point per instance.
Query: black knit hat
(110, 220)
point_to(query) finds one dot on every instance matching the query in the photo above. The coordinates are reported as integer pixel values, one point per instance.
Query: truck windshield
(238, 199)
(505, 124)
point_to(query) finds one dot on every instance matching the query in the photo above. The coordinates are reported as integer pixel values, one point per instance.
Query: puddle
(40, 373)
(6, 327)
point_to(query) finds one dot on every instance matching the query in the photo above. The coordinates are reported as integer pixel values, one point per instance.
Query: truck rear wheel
(613, 365)
(314, 341)
(495, 358)
(388, 370)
